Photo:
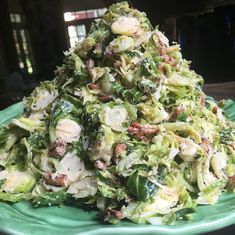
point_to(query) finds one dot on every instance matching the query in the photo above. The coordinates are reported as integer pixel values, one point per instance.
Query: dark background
(34, 34)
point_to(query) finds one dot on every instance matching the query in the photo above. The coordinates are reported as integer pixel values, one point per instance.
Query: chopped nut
(132, 130)
(58, 149)
(119, 149)
(215, 109)
(105, 97)
(176, 111)
(140, 136)
(222, 103)
(136, 125)
(93, 86)
(202, 99)
(141, 132)
(115, 213)
(232, 146)
(59, 180)
(206, 145)
(149, 130)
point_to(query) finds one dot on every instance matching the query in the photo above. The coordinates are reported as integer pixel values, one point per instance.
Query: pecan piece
(93, 86)
(202, 99)
(115, 213)
(140, 136)
(58, 149)
(119, 149)
(149, 130)
(105, 97)
(232, 146)
(221, 103)
(215, 109)
(206, 145)
(133, 130)
(59, 180)
(142, 132)
(176, 111)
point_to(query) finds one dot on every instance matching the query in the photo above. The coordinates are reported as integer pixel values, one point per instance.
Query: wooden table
(220, 91)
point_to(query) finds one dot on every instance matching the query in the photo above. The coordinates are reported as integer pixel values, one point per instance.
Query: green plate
(22, 218)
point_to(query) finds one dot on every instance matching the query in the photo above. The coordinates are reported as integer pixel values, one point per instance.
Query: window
(79, 15)
(21, 43)
(77, 21)
(76, 33)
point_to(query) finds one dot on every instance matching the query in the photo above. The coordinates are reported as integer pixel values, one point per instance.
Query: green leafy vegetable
(50, 199)
(140, 187)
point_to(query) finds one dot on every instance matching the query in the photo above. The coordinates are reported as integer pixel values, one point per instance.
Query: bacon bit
(176, 111)
(140, 131)
(93, 86)
(99, 164)
(115, 213)
(59, 180)
(105, 97)
(202, 98)
(58, 149)
(119, 149)
(206, 146)
(215, 109)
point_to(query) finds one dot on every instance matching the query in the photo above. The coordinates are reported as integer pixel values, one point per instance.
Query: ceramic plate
(22, 218)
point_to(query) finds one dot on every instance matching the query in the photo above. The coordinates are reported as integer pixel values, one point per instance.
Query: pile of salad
(124, 127)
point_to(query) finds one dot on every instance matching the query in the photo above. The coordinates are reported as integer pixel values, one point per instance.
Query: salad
(124, 127)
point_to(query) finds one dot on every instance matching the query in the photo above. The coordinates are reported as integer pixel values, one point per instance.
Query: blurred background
(35, 33)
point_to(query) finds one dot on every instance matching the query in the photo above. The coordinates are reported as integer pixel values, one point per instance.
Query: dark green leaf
(182, 117)
(38, 140)
(132, 95)
(50, 198)
(226, 135)
(140, 187)
(147, 86)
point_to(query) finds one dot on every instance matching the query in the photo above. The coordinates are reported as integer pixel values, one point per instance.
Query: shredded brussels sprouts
(124, 127)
